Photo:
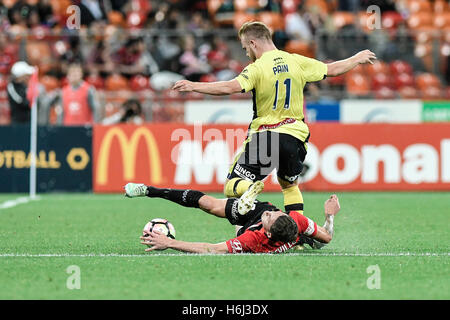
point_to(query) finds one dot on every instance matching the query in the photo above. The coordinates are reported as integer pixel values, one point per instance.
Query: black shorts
(249, 220)
(265, 151)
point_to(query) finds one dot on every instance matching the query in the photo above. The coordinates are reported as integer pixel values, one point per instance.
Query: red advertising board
(340, 157)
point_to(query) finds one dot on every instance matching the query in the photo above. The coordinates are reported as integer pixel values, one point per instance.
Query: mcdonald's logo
(128, 148)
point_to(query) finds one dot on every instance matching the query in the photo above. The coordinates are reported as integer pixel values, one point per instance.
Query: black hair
(284, 229)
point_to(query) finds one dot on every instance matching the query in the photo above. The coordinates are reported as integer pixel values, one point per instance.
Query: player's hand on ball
(156, 240)
(183, 86)
(332, 205)
(366, 56)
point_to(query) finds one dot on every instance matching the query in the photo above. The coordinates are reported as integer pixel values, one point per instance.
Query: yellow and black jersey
(277, 80)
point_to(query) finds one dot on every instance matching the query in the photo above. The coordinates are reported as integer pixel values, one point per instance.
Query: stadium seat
(246, 5)
(415, 6)
(440, 6)
(442, 20)
(426, 80)
(116, 82)
(381, 80)
(342, 18)
(273, 20)
(399, 66)
(240, 18)
(139, 82)
(377, 67)
(431, 93)
(420, 20)
(213, 6)
(426, 34)
(289, 6)
(384, 92)
(300, 47)
(408, 92)
(96, 81)
(116, 18)
(391, 19)
(403, 80)
(357, 84)
(50, 83)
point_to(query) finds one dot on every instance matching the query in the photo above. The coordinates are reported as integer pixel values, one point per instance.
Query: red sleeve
(246, 242)
(305, 224)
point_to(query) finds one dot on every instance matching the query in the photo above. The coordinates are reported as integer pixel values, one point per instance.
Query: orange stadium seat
(242, 17)
(432, 93)
(212, 6)
(116, 82)
(50, 83)
(440, 6)
(300, 47)
(116, 18)
(377, 67)
(399, 66)
(357, 84)
(246, 5)
(420, 19)
(426, 80)
(342, 18)
(273, 20)
(425, 34)
(442, 20)
(419, 6)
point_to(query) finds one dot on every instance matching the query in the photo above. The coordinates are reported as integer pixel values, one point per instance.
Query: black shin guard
(187, 198)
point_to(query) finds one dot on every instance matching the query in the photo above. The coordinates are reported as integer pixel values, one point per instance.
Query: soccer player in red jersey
(265, 229)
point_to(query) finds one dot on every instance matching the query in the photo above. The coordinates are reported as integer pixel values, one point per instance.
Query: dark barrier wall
(64, 158)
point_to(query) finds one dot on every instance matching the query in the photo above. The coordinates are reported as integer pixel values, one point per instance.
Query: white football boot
(133, 190)
(247, 200)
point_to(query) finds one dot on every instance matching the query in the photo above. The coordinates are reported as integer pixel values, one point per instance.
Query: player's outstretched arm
(159, 241)
(342, 66)
(325, 234)
(218, 88)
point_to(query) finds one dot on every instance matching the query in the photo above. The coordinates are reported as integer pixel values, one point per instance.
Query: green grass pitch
(405, 234)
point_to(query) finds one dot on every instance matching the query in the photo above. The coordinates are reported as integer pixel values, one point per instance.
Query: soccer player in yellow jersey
(277, 135)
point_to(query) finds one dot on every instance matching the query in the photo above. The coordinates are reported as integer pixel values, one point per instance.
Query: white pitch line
(12, 203)
(325, 254)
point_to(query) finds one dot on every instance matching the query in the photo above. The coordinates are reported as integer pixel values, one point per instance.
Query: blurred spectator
(72, 55)
(193, 66)
(17, 95)
(8, 53)
(133, 58)
(297, 26)
(78, 99)
(99, 60)
(91, 11)
(130, 112)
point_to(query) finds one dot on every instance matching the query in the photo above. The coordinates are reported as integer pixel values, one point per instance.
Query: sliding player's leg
(184, 197)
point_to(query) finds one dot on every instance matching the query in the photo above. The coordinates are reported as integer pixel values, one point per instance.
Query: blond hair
(255, 30)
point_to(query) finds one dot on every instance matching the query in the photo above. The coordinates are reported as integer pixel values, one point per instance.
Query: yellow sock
(236, 187)
(293, 199)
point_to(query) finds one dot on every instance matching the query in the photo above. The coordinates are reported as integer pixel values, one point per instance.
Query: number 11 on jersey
(287, 99)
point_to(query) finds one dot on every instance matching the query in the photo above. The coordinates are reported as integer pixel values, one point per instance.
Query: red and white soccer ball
(161, 225)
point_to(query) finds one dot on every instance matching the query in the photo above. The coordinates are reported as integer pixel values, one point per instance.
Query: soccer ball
(161, 225)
